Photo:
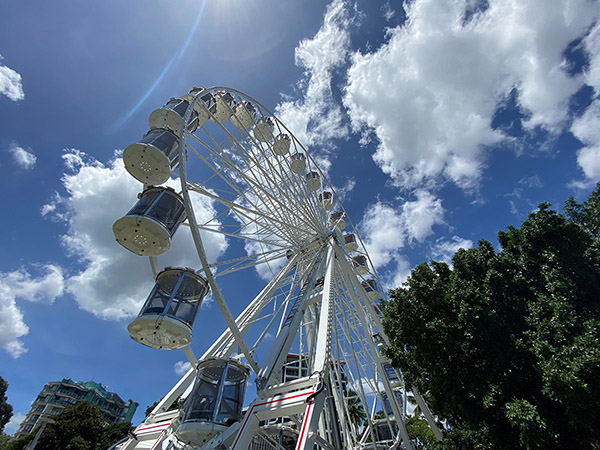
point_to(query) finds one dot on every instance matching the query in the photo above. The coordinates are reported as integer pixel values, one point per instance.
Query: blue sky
(440, 122)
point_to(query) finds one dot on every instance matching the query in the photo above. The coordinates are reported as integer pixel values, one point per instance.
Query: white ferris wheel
(310, 340)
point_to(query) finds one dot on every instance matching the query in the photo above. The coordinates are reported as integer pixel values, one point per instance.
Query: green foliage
(508, 344)
(76, 427)
(5, 408)
(6, 443)
(356, 410)
(112, 433)
(81, 427)
(420, 433)
(150, 408)
(379, 415)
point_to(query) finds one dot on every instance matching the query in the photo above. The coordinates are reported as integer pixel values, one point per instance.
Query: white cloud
(430, 93)
(24, 158)
(13, 424)
(21, 285)
(386, 230)
(586, 128)
(315, 118)
(388, 12)
(346, 189)
(422, 214)
(398, 275)
(182, 367)
(10, 83)
(384, 233)
(444, 249)
(592, 47)
(532, 182)
(113, 282)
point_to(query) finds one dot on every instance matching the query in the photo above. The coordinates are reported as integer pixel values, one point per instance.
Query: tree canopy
(507, 344)
(5, 408)
(81, 427)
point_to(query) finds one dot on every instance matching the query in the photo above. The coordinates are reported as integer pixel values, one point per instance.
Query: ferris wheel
(310, 340)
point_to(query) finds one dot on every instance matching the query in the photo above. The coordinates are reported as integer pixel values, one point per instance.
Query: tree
(508, 344)
(76, 428)
(420, 433)
(356, 410)
(5, 408)
(19, 443)
(81, 427)
(174, 406)
(112, 433)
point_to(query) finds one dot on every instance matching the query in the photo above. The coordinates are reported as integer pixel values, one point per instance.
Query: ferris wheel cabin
(313, 181)
(148, 227)
(360, 264)
(222, 109)
(281, 144)
(215, 401)
(350, 244)
(170, 117)
(337, 220)
(298, 163)
(202, 106)
(370, 287)
(167, 318)
(244, 115)
(151, 159)
(326, 200)
(263, 130)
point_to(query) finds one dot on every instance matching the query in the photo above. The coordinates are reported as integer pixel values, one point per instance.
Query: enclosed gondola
(313, 181)
(281, 144)
(337, 220)
(215, 401)
(350, 244)
(298, 163)
(148, 227)
(370, 287)
(223, 107)
(263, 130)
(244, 115)
(360, 264)
(152, 159)
(170, 117)
(326, 200)
(203, 105)
(167, 317)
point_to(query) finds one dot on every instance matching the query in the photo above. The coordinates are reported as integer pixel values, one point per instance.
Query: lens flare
(173, 61)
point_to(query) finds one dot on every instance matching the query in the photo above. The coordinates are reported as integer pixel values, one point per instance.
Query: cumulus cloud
(315, 118)
(182, 367)
(386, 230)
(10, 83)
(444, 249)
(384, 233)
(13, 424)
(113, 282)
(586, 128)
(429, 94)
(20, 284)
(25, 159)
